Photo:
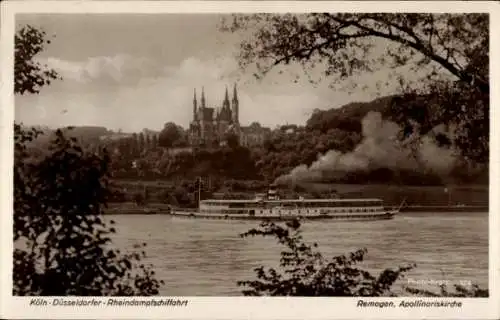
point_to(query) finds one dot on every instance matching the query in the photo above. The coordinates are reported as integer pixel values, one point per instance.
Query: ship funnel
(272, 193)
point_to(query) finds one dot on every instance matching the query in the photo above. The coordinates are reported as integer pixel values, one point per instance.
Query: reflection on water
(207, 258)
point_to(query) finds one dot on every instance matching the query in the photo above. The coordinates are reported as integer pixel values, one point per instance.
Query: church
(211, 126)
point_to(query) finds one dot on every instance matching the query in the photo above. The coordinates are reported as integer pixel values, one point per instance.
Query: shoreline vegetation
(160, 209)
(158, 197)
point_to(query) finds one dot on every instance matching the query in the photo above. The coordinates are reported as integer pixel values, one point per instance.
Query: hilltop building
(254, 135)
(212, 126)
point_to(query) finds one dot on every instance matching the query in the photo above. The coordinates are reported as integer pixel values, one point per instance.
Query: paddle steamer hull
(333, 217)
(271, 207)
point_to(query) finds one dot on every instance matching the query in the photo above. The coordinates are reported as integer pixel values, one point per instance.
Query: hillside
(352, 144)
(359, 143)
(349, 116)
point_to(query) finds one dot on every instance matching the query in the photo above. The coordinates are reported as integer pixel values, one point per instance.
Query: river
(207, 257)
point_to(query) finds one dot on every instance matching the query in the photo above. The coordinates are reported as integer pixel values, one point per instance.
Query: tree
(444, 45)
(29, 75)
(62, 244)
(135, 144)
(305, 272)
(154, 141)
(58, 215)
(169, 135)
(141, 142)
(147, 141)
(232, 139)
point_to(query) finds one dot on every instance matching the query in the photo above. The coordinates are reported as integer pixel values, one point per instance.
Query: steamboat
(271, 207)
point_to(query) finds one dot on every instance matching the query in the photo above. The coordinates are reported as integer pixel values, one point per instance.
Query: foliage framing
(29, 75)
(308, 273)
(305, 272)
(62, 245)
(453, 44)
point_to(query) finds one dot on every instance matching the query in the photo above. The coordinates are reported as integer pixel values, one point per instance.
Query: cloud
(202, 72)
(133, 93)
(117, 69)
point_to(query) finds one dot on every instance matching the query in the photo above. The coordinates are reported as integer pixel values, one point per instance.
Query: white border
(239, 308)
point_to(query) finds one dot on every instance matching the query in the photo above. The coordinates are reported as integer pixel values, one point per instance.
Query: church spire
(235, 111)
(225, 103)
(227, 96)
(203, 97)
(195, 104)
(235, 93)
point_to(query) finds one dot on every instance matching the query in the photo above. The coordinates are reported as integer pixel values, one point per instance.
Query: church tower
(225, 112)
(235, 106)
(225, 103)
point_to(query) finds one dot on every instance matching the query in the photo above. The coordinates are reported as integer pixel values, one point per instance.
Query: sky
(136, 71)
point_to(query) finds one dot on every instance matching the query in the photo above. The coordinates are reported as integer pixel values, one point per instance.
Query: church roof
(207, 114)
(225, 114)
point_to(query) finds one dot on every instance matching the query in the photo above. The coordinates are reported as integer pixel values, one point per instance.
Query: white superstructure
(274, 208)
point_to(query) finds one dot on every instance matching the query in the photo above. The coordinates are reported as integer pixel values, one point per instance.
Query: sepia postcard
(249, 160)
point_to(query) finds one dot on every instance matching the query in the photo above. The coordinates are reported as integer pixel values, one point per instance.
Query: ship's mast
(199, 191)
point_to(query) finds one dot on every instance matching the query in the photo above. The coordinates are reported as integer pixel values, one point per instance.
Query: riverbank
(133, 208)
(450, 209)
(161, 208)
(184, 194)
